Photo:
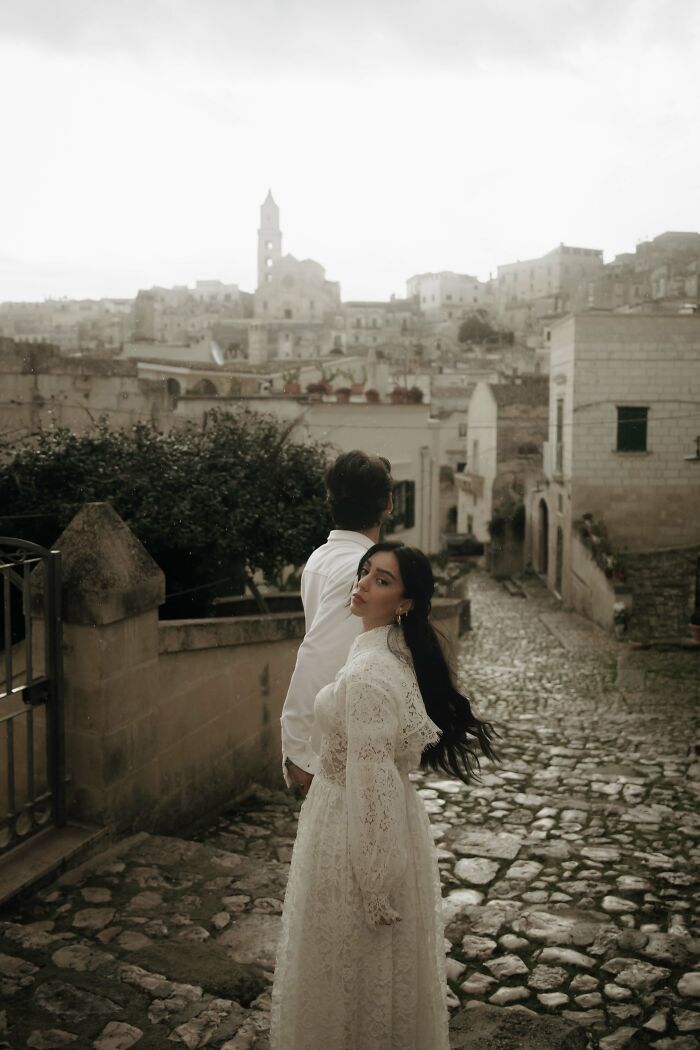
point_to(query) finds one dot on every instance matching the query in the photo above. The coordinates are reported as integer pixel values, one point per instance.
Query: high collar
(343, 535)
(375, 638)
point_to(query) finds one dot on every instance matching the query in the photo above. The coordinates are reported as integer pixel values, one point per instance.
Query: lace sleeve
(376, 802)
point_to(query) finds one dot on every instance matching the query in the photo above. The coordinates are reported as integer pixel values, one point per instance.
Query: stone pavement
(568, 873)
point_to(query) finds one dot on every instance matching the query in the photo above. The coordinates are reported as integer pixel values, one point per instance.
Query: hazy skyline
(142, 136)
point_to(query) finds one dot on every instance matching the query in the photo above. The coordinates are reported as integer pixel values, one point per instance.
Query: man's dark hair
(358, 488)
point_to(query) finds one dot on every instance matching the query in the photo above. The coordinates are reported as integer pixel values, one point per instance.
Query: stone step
(513, 587)
(45, 856)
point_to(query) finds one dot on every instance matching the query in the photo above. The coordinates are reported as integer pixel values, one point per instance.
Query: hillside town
(543, 431)
(508, 406)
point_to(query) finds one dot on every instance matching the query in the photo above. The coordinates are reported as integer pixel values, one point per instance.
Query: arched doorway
(543, 536)
(560, 561)
(173, 387)
(205, 388)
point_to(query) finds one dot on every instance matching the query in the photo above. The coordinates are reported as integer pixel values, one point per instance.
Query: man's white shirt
(326, 585)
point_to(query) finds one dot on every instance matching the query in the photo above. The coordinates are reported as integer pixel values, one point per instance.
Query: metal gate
(32, 759)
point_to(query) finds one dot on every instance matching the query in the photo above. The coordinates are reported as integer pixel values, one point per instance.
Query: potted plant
(343, 393)
(372, 396)
(291, 388)
(398, 395)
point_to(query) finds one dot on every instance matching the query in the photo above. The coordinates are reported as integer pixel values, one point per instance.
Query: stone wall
(593, 594)
(43, 388)
(662, 583)
(165, 721)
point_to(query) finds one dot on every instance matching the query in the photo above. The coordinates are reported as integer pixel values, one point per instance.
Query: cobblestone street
(569, 871)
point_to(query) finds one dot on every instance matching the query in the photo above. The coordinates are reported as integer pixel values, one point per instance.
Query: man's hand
(299, 777)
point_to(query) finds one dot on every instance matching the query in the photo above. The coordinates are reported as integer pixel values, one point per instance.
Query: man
(360, 501)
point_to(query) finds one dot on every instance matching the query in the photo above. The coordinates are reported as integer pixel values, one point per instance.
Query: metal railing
(32, 748)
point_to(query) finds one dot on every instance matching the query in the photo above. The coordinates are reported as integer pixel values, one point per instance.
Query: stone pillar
(111, 592)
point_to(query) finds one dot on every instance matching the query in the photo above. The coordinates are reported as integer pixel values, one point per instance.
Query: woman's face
(378, 593)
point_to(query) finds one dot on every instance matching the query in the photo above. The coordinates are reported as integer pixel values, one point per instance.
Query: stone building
(180, 316)
(505, 430)
(289, 289)
(407, 434)
(97, 325)
(621, 487)
(527, 293)
(446, 296)
(663, 272)
(393, 322)
(296, 310)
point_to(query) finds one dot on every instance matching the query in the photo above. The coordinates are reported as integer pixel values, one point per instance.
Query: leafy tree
(476, 328)
(208, 501)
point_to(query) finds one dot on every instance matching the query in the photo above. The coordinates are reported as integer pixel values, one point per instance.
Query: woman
(361, 959)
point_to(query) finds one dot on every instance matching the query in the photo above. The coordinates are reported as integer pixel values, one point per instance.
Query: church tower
(269, 239)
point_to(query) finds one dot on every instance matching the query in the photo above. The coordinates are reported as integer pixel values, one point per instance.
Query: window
(475, 457)
(632, 428)
(462, 430)
(559, 444)
(470, 523)
(404, 513)
(288, 314)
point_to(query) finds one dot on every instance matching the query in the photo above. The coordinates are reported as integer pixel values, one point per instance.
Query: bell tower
(269, 239)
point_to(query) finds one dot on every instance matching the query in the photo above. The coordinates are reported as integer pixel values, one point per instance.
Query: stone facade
(162, 720)
(648, 499)
(41, 388)
(165, 720)
(446, 296)
(662, 584)
(506, 428)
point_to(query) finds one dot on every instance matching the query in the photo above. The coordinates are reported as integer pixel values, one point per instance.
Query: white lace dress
(342, 981)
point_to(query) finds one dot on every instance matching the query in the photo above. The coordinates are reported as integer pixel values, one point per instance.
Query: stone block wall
(221, 687)
(165, 721)
(592, 593)
(663, 588)
(648, 499)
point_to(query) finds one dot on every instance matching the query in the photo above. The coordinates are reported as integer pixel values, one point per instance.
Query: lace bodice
(371, 728)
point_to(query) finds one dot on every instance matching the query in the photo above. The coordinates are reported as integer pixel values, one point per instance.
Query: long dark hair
(464, 737)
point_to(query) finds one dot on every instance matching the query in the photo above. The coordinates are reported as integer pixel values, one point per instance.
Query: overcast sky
(139, 137)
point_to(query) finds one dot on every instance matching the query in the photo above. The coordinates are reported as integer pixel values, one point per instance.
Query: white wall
(477, 500)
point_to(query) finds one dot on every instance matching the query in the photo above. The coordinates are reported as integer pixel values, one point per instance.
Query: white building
(446, 296)
(622, 485)
(405, 434)
(505, 430)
